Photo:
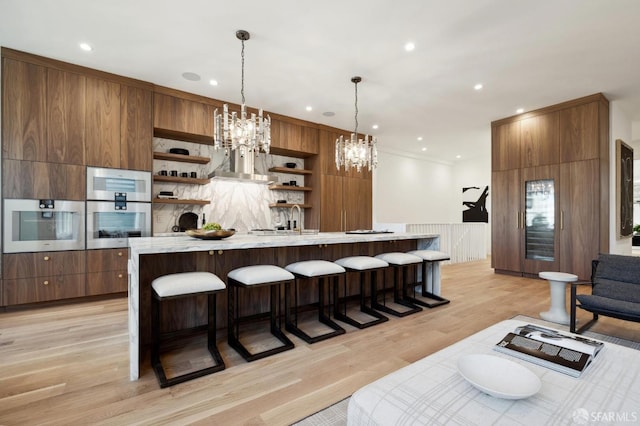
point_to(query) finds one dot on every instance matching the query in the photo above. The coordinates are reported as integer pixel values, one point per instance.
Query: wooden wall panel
(65, 117)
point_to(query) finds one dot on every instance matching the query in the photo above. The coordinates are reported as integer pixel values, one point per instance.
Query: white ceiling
(526, 53)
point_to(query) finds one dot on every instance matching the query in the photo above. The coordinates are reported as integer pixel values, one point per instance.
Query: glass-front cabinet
(541, 220)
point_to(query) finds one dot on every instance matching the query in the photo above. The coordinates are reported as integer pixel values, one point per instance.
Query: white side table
(558, 311)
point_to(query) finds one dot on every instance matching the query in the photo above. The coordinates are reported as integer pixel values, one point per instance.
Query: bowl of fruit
(210, 231)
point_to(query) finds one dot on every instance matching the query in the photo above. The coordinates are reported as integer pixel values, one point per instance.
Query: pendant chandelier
(355, 152)
(233, 132)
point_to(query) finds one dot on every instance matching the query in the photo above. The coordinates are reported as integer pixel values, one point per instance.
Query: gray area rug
(336, 414)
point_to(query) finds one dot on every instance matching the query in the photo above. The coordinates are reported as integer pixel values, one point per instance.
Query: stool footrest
(378, 318)
(431, 302)
(337, 330)
(248, 356)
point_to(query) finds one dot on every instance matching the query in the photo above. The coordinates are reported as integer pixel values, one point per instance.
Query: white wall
(619, 128)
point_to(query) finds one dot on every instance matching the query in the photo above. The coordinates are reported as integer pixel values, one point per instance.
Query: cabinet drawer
(107, 282)
(43, 264)
(42, 289)
(107, 260)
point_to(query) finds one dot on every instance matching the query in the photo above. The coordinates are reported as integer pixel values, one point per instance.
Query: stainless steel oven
(109, 225)
(103, 184)
(43, 225)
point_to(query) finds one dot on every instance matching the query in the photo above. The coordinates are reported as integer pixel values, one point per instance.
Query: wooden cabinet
(107, 271)
(43, 276)
(289, 138)
(65, 117)
(103, 123)
(566, 145)
(24, 126)
(185, 119)
(39, 180)
(136, 128)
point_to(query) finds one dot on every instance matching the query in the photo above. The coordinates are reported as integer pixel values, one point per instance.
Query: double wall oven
(118, 206)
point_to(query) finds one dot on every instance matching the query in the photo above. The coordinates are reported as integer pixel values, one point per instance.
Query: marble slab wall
(239, 205)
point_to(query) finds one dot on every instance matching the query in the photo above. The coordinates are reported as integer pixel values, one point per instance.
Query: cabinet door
(23, 111)
(309, 140)
(41, 264)
(65, 117)
(539, 140)
(37, 180)
(107, 282)
(136, 129)
(506, 215)
(182, 115)
(541, 244)
(107, 260)
(102, 123)
(505, 146)
(331, 205)
(357, 203)
(579, 217)
(579, 134)
(43, 289)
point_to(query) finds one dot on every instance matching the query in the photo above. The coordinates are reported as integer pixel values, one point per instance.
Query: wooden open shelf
(174, 201)
(290, 188)
(292, 171)
(180, 157)
(177, 179)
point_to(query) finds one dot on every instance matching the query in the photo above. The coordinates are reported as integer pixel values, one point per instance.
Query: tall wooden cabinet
(550, 197)
(344, 197)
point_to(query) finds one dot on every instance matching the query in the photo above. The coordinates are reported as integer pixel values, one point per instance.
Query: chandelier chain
(242, 87)
(356, 115)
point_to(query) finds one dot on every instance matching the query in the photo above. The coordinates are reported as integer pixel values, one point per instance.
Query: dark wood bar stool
(307, 270)
(256, 276)
(400, 263)
(430, 285)
(174, 286)
(361, 265)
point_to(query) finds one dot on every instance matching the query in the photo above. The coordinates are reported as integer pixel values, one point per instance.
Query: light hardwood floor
(68, 365)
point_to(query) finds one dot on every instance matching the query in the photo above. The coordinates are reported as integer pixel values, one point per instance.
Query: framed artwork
(624, 189)
(476, 209)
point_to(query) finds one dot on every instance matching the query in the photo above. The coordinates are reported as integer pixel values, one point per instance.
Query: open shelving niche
(178, 179)
(293, 171)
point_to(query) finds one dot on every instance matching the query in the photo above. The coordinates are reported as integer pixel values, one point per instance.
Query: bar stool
(255, 276)
(174, 286)
(308, 270)
(361, 265)
(430, 287)
(399, 262)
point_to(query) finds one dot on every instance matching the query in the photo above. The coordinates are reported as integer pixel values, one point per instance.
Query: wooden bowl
(209, 235)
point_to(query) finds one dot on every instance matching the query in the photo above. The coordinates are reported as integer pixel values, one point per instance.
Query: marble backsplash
(239, 205)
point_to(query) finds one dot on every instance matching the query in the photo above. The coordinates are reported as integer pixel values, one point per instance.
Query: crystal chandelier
(356, 152)
(233, 132)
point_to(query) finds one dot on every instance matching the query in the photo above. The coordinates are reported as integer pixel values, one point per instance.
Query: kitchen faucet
(295, 206)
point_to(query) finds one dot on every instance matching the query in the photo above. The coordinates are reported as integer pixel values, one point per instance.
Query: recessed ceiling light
(309, 108)
(409, 46)
(374, 127)
(520, 110)
(213, 82)
(419, 138)
(191, 76)
(86, 47)
(424, 149)
(328, 113)
(458, 156)
(478, 86)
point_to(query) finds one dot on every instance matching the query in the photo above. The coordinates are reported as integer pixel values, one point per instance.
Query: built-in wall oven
(43, 225)
(118, 206)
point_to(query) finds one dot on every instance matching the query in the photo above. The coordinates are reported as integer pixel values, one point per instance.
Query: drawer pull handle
(46, 258)
(119, 275)
(46, 282)
(219, 251)
(120, 253)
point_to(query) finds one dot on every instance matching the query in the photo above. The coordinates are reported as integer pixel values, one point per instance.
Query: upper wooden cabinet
(184, 118)
(103, 123)
(42, 180)
(136, 128)
(539, 140)
(293, 139)
(580, 131)
(505, 146)
(43, 113)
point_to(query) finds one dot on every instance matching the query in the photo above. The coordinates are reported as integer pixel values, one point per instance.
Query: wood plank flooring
(65, 365)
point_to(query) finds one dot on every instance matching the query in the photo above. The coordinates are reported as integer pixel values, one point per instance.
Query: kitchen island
(152, 257)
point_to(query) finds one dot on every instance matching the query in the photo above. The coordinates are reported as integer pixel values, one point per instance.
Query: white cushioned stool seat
(431, 255)
(314, 268)
(186, 283)
(361, 263)
(398, 258)
(260, 274)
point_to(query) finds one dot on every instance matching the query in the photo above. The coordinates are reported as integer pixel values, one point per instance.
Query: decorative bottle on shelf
(203, 220)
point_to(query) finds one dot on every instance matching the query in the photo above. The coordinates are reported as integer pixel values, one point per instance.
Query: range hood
(242, 170)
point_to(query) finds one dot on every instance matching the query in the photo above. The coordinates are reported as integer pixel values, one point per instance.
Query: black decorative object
(477, 210)
(624, 189)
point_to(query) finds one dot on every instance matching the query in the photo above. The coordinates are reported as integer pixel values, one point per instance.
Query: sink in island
(152, 257)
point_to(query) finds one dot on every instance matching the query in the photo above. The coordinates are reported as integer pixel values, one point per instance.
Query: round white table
(558, 311)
